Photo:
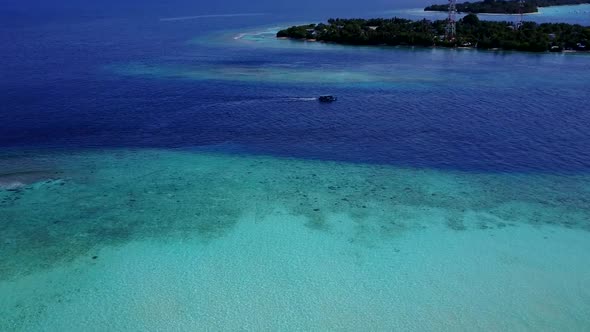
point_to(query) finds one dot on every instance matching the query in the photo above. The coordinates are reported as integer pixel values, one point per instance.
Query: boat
(327, 99)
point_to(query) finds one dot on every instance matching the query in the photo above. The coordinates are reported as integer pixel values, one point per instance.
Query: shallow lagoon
(173, 240)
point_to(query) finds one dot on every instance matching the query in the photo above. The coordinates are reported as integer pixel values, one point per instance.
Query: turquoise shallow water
(298, 65)
(153, 239)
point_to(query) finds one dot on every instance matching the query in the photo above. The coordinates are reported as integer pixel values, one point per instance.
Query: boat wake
(195, 17)
(301, 99)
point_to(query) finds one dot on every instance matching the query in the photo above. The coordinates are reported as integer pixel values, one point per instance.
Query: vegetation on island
(471, 32)
(505, 7)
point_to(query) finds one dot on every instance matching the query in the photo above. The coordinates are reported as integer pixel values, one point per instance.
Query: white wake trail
(184, 18)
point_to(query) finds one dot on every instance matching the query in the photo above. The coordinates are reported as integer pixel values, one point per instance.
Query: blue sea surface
(63, 86)
(169, 167)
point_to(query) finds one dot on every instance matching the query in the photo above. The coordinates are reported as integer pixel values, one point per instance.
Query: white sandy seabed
(155, 240)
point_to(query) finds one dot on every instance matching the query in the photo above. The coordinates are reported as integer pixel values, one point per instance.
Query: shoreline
(538, 12)
(486, 14)
(570, 14)
(495, 50)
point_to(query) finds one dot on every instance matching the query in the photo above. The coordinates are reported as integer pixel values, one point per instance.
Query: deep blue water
(476, 111)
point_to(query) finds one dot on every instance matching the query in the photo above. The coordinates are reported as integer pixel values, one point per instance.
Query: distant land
(504, 7)
(471, 32)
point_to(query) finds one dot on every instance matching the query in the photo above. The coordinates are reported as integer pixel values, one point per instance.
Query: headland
(471, 33)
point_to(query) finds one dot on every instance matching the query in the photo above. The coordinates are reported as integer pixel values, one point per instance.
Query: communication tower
(452, 21)
(521, 4)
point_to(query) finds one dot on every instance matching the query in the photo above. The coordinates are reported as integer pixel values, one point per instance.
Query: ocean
(169, 167)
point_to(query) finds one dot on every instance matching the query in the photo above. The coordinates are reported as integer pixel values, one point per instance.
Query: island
(471, 32)
(505, 7)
